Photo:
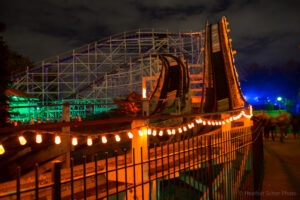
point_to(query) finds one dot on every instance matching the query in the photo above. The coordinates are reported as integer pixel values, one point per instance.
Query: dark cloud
(263, 31)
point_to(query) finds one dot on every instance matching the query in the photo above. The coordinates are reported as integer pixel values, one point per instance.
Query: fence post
(66, 138)
(210, 185)
(56, 191)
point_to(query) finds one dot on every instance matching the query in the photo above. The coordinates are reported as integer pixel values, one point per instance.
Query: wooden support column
(66, 137)
(139, 142)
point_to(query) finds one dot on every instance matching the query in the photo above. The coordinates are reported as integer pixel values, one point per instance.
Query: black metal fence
(215, 165)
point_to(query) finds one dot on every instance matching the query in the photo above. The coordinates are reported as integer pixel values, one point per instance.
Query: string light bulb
(161, 133)
(209, 123)
(38, 138)
(223, 122)
(74, 141)
(57, 139)
(130, 135)
(204, 123)
(184, 129)
(149, 131)
(154, 132)
(173, 131)
(230, 119)
(22, 140)
(179, 130)
(169, 132)
(104, 140)
(2, 150)
(89, 141)
(140, 133)
(192, 124)
(200, 120)
(227, 120)
(145, 132)
(213, 123)
(118, 139)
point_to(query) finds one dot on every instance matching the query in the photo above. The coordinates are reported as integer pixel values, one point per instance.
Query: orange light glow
(2, 150)
(57, 139)
(118, 139)
(149, 131)
(184, 128)
(130, 135)
(173, 131)
(104, 140)
(154, 133)
(38, 138)
(89, 141)
(179, 130)
(204, 123)
(161, 133)
(140, 133)
(169, 132)
(22, 140)
(144, 93)
(74, 141)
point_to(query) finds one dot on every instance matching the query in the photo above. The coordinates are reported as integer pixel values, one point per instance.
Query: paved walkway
(281, 169)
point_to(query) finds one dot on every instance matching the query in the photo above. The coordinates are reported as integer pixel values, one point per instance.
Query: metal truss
(112, 67)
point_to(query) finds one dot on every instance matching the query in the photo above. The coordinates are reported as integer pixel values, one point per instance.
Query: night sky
(264, 32)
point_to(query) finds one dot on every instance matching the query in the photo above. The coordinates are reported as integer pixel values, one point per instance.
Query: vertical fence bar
(84, 178)
(184, 164)
(18, 183)
(174, 162)
(202, 165)
(189, 166)
(72, 178)
(209, 169)
(179, 158)
(125, 150)
(116, 168)
(36, 181)
(142, 172)
(106, 172)
(56, 177)
(155, 149)
(168, 155)
(162, 167)
(134, 181)
(193, 166)
(96, 176)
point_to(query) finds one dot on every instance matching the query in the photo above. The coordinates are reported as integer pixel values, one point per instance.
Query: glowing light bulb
(179, 130)
(209, 123)
(223, 122)
(130, 135)
(145, 132)
(104, 140)
(230, 119)
(173, 131)
(184, 128)
(204, 123)
(149, 131)
(22, 140)
(57, 139)
(161, 133)
(197, 121)
(213, 123)
(74, 141)
(227, 120)
(200, 120)
(89, 141)
(192, 124)
(118, 139)
(154, 133)
(38, 138)
(144, 93)
(169, 132)
(2, 150)
(140, 133)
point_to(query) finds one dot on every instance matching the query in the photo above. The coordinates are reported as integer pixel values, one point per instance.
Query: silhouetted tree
(4, 79)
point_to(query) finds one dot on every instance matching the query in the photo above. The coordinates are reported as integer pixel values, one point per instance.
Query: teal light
(279, 98)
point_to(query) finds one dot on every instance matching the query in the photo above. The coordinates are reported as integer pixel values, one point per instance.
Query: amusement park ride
(188, 89)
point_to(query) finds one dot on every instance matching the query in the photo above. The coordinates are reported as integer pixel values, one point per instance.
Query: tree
(4, 79)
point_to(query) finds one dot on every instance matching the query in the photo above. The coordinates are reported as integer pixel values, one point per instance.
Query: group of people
(281, 124)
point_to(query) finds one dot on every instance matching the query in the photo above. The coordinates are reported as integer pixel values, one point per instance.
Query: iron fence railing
(215, 165)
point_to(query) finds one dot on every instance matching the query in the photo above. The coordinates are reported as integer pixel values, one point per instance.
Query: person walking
(272, 122)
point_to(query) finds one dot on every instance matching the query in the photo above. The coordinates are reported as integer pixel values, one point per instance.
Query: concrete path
(281, 169)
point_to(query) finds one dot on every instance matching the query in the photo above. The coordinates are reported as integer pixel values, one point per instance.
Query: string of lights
(149, 130)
